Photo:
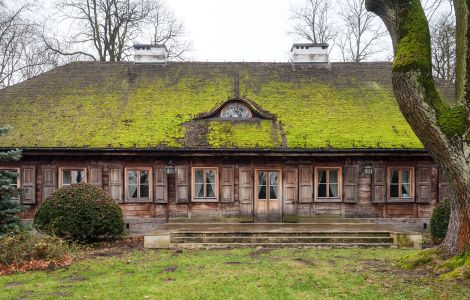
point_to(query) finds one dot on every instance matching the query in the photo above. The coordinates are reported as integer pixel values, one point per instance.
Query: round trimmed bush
(440, 220)
(80, 212)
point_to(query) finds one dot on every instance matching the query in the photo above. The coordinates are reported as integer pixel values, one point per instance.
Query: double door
(268, 202)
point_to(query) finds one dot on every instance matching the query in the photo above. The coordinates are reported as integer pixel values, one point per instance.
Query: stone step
(278, 245)
(281, 239)
(383, 234)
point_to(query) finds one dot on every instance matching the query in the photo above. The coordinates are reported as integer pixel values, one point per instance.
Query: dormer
(237, 109)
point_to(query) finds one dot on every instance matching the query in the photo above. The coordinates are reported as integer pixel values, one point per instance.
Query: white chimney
(156, 54)
(309, 53)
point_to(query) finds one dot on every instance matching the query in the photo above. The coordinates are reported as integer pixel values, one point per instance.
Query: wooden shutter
(182, 184)
(28, 184)
(443, 185)
(423, 184)
(95, 176)
(246, 191)
(49, 180)
(379, 185)
(161, 185)
(227, 184)
(115, 183)
(306, 184)
(290, 191)
(351, 180)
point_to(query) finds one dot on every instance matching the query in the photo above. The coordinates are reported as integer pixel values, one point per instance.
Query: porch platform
(225, 235)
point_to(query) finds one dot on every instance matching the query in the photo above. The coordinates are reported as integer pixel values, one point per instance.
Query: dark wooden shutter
(351, 180)
(161, 185)
(246, 191)
(182, 184)
(95, 176)
(379, 185)
(306, 184)
(290, 191)
(28, 183)
(49, 180)
(227, 184)
(115, 183)
(443, 185)
(424, 184)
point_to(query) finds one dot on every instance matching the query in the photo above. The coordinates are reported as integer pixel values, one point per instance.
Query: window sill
(328, 200)
(400, 200)
(203, 200)
(143, 200)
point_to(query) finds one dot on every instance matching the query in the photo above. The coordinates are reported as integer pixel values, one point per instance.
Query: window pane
(67, 177)
(333, 176)
(273, 192)
(144, 191)
(262, 178)
(210, 176)
(321, 190)
(132, 175)
(77, 176)
(199, 190)
(210, 193)
(144, 177)
(273, 178)
(405, 176)
(132, 191)
(333, 190)
(405, 190)
(322, 176)
(262, 192)
(394, 190)
(394, 177)
(199, 176)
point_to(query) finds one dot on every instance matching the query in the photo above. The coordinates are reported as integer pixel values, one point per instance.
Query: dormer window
(235, 110)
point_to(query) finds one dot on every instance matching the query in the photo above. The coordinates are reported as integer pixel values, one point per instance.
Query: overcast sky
(242, 30)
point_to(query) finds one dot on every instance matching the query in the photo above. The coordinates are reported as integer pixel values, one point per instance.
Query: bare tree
(311, 22)
(105, 30)
(361, 33)
(22, 54)
(443, 46)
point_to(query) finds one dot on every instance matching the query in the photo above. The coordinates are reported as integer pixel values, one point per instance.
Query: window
(205, 184)
(71, 176)
(268, 185)
(400, 183)
(138, 184)
(328, 184)
(235, 110)
(15, 179)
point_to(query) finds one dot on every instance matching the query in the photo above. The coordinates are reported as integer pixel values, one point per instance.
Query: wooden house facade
(247, 142)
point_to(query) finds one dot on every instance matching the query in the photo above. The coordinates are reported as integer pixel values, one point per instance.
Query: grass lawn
(115, 273)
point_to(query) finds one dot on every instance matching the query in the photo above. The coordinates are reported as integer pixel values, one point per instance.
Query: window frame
(279, 185)
(61, 175)
(193, 185)
(126, 184)
(400, 199)
(18, 179)
(339, 198)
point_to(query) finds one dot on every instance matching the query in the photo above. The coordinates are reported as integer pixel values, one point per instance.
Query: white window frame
(18, 179)
(340, 184)
(61, 174)
(193, 184)
(126, 184)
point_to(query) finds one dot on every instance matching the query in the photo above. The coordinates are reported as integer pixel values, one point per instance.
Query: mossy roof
(146, 106)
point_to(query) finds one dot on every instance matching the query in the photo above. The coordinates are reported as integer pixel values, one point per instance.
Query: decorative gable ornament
(237, 108)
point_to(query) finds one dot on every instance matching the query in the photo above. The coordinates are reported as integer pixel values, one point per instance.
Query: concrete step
(383, 234)
(278, 245)
(281, 239)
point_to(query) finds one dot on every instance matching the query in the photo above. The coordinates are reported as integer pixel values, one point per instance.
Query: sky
(243, 30)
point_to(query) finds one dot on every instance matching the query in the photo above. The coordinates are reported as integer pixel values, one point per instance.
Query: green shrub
(440, 220)
(80, 212)
(20, 248)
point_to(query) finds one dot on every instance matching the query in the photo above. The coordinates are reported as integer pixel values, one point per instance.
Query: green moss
(421, 258)
(227, 134)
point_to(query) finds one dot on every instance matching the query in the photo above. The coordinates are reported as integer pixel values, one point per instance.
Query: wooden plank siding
(236, 185)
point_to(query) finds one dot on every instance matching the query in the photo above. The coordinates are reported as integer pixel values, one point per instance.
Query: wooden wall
(359, 197)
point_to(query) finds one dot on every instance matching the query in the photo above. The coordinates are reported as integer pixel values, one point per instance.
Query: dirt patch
(233, 262)
(170, 269)
(74, 278)
(304, 261)
(60, 294)
(259, 251)
(13, 284)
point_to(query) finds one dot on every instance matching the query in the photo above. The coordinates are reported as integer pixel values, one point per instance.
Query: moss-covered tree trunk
(442, 127)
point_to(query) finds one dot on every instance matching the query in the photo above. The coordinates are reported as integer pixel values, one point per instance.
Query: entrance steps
(222, 235)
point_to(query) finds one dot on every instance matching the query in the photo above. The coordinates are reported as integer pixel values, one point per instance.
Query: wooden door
(268, 204)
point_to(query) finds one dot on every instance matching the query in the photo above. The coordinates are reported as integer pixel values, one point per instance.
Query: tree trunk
(441, 127)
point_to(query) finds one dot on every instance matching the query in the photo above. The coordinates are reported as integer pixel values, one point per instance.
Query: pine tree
(9, 208)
